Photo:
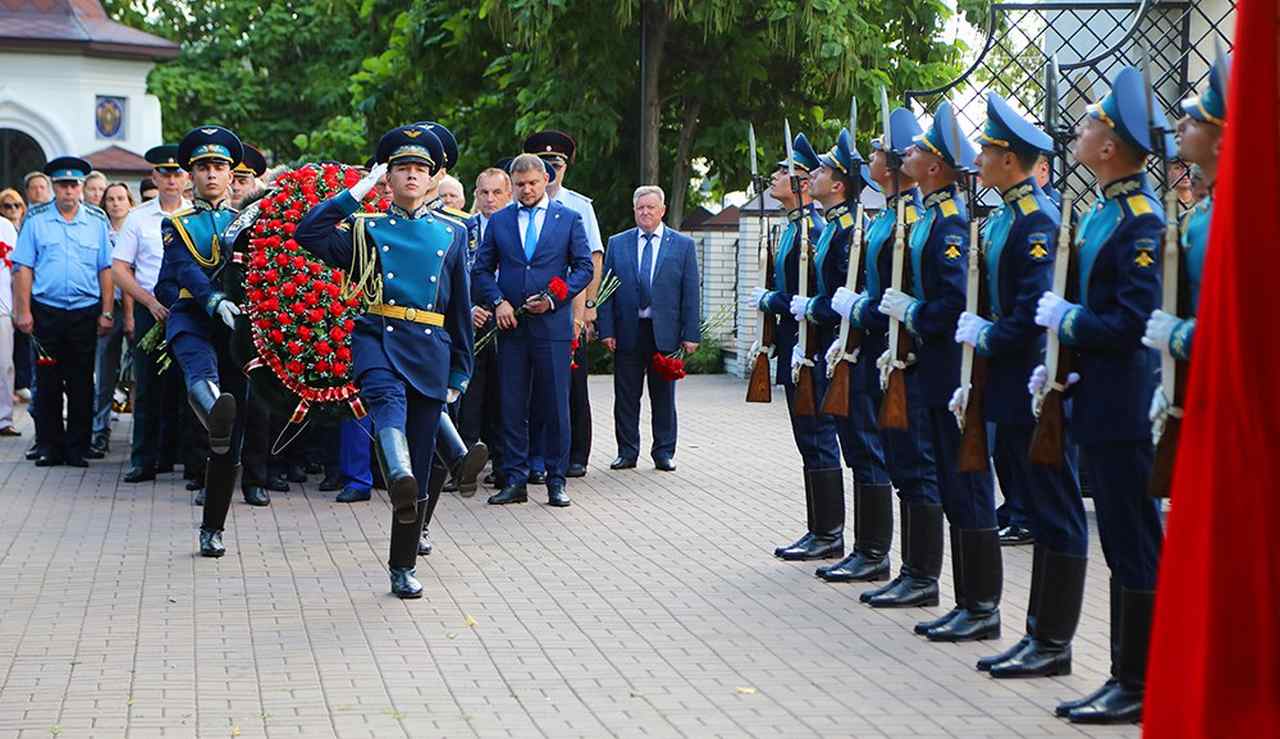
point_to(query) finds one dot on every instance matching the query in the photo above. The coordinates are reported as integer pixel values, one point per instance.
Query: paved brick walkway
(651, 607)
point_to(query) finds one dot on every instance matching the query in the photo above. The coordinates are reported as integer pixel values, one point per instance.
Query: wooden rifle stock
(975, 455)
(836, 400)
(893, 407)
(760, 385)
(1048, 440)
(1173, 373)
(805, 402)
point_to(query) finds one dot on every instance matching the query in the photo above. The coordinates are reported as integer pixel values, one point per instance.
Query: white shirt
(484, 224)
(653, 266)
(581, 204)
(522, 218)
(8, 237)
(139, 242)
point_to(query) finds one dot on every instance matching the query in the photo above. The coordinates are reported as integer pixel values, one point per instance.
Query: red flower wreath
(299, 322)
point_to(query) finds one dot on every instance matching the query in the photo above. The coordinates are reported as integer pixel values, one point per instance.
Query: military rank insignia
(846, 221)
(1028, 205)
(948, 208)
(1139, 205)
(953, 245)
(1144, 258)
(1039, 246)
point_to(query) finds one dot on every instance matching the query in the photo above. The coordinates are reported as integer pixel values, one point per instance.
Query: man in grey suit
(655, 310)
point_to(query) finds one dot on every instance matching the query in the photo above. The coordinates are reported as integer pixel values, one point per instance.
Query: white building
(75, 83)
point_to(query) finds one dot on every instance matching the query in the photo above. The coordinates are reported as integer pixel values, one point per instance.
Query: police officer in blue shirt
(412, 347)
(1019, 240)
(201, 317)
(1102, 319)
(837, 184)
(62, 290)
(1199, 142)
(928, 308)
(815, 435)
(908, 454)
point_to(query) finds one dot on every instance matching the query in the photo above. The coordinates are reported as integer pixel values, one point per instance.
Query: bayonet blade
(853, 122)
(791, 155)
(1155, 131)
(1051, 96)
(886, 140)
(751, 147)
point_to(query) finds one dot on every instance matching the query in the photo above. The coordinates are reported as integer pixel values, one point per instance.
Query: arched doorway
(19, 154)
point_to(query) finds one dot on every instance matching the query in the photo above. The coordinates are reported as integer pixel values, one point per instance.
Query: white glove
(1050, 310)
(1040, 375)
(895, 303)
(228, 311)
(969, 327)
(844, 300)
(452, 395)
(833, 354)
(799, 306)
(1159, 330)
(756, 295)
(797, 358)
(1159, 405)
(959, 401)
(362, 188)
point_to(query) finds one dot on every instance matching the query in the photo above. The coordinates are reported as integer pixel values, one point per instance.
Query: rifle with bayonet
(1048, 440)
(759, 385)
(974, 454)
(893, 407)
(836, 400)
(802, 371)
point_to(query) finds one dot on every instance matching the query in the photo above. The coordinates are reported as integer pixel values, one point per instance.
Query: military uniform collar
(939, 196)
(909, 195)
(418, 212)
(200, 203)
(834, 212)
(796, 214)
(1019, 191)
(1125, 186)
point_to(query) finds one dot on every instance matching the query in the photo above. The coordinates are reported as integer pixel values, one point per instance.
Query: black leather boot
(397, 470)
(211, 543)
(256, 495)
(221, 478)
(983, 575)
(873, 536)
(1122, 704)
(464, 464)
(216, 411)
(904, 528)
(1065, 708)
(434, 487)
(402, 557)
(827, 492)
(1052, 618)
(802, 543)
(917, 586)
(957, 580)
(1033, 608)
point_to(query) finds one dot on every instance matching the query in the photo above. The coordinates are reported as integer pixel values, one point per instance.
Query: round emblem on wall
(109, 117)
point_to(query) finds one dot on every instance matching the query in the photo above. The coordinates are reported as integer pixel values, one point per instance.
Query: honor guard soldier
(837, 184)
(201, 317)
(815, 434)
(245, 178)
(1199, 142)
(558, 150)
(412, 347)
(1118, 286)
(1018, 244)
(63, 298)
(939, 244)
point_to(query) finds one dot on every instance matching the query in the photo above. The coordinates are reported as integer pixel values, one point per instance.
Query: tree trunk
(680, 167)
(654, 17)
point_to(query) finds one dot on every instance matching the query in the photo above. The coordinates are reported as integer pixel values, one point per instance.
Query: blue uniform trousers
(815, 435)
(200, 361)
(1128, 518)
(353, 453)
(1012, 510)
(631, 370)
(859, 435)
(1051, 497)
(394, 404)
(909, 454)
(968, 498)
(535, 375)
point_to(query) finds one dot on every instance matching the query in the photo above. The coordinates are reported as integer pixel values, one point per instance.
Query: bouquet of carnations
(670, 367)
(557, 289)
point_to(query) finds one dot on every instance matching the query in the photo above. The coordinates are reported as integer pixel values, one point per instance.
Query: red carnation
(298, 308)
(668, 368)
(271, 276)
(282, 260)
(254, 278)
(259, 262)
(304, 333)
(295, 367)
(351, 177)
(264, 323)
(294, 347)
(339, 369)
(348, 325)
(255, 295)
(291, 245)
(299, 261)
(312, 298)
(291, 215)
(315, 315)
(344, 353)
(323, 348)
(337, 334)
(300, 278)
(334, 308)
(277, 335)
(289, 290)
(558, 288)
(285, 319)
(315, 268)
(321, 366)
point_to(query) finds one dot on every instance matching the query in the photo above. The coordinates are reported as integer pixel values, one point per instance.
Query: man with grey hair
(451, 193)
(37, 187)
(654, 311)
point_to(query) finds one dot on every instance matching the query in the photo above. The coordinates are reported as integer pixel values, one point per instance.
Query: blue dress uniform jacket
(1195, 246)
(674, 291)
(1118, 243)
(878, 276)
(193, 255)
(1019, 241)
(422, 262)
(517, 278)
(66, 256)
(831, 265)
(786, 282)
(939, 245)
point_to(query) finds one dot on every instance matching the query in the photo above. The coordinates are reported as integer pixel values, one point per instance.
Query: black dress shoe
(353, 495)
(48, 460)
(510, 494)
(556, 496)
(33, 452)
(256, 495)
(576, 470)
(277, 484)
(296, 473)
(96, 454)
(139, 474)
(664, 464)
(77, 462)
(198, 498)
(924, 627)
(622, 463)
(211, 543)
(404, 583)
(313, 468)
(1012, 536)
(537, 478)
(194, 485)
(424, 544)
(1065, 708)
(331, 482)
(985, 663)
(1120, 704)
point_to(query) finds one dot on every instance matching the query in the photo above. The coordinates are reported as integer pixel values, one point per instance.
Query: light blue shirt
(522, 219)
(66, 256)
(581, 204)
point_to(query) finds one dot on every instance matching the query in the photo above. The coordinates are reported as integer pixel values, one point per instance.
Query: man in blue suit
(655, 310)
(527, 245)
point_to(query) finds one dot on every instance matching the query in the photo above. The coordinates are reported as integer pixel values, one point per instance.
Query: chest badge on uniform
(1039, 248)
(952, 252)
(1144, 258)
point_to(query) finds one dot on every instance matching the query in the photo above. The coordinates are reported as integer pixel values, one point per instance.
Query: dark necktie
(646, 267)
